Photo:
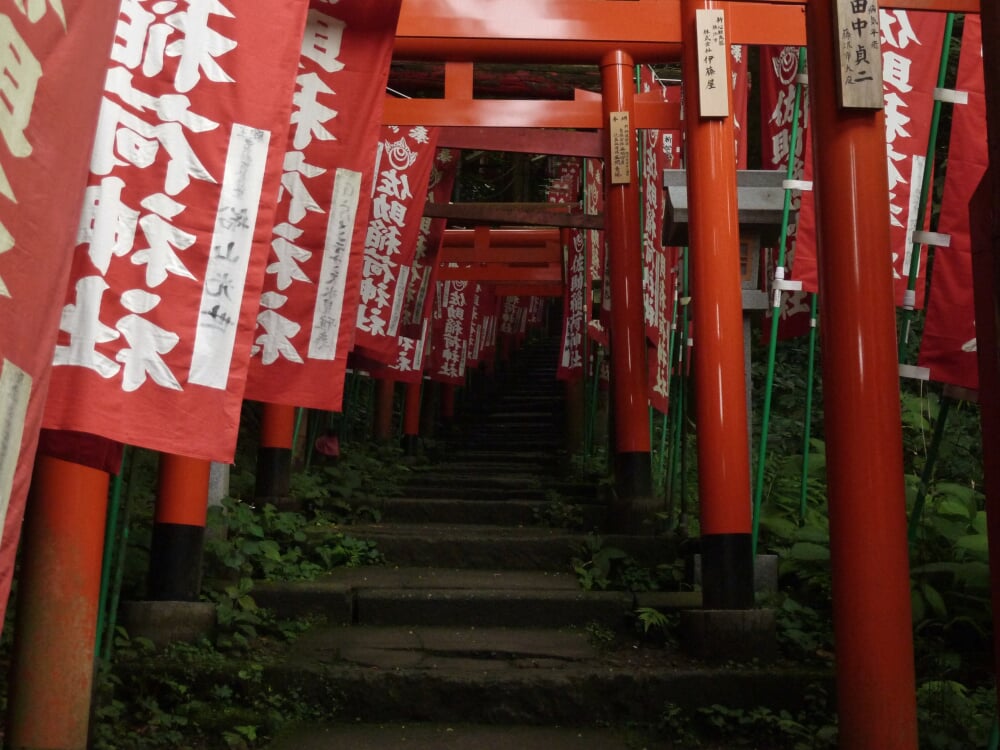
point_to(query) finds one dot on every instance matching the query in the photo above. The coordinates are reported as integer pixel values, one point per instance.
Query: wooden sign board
(621, 133)
(859, 54)
(713, 63)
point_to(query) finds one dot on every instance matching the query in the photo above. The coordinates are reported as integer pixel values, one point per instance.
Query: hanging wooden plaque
(859, 54)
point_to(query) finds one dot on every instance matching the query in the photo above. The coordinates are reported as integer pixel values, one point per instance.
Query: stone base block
(765, 573)
(729, 634)
(168, 622)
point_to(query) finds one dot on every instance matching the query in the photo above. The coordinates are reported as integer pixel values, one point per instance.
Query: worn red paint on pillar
(274, 456)
(178, 540)
(385, 390)
(875, 672)
(629, 374)
(988, 303)
(411, 417)
(277, 428)
(59, 582)
(716, 304)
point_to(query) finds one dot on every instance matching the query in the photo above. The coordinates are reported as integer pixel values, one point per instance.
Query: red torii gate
(867, 526)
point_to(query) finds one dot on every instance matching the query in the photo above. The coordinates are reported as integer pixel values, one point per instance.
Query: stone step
(526, 676)
(501, 547)
(498, 512)
(441, 488)
(452, 736)
(423, 597)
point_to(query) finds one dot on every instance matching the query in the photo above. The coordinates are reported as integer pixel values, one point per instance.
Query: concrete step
(498, 512)
(453, 736)
(422, 597)
(500, 547)
(524, 677)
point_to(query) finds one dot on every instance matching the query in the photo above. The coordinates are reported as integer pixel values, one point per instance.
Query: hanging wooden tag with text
(859, 54)
(713, 63)
(621, 164)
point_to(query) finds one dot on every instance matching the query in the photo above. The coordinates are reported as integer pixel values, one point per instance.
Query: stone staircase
(476, 632)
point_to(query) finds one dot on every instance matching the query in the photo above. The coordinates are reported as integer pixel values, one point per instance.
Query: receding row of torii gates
(876, 683)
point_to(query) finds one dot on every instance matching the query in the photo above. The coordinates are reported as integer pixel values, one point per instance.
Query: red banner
(911, 51)
(778, 70)
(482, 327)
(450, 332)
(414, 340)
(948, 346)
(403, 165)
(308, 312)
(741, 94)
(156, 331)
(52, 65)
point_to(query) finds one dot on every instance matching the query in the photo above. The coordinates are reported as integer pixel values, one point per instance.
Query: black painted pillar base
(727, 571)
(411, 445)
(175, 558)
(633, 507)
(274, 472)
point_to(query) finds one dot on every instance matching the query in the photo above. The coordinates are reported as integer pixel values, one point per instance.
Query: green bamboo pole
(765, 421)
(111, 548)
(928, 471)
(911, 284)
(108, 615)
(810, 388)
(298, 426)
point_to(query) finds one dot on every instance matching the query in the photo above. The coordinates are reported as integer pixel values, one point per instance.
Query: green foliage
(266, 543)
(811, 728)
(600, 567)
(953, 717)
(557, 513)
(190, 696)
(351, 488)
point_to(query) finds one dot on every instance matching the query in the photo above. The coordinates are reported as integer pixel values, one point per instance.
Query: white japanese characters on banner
(779, 76)
(53, 58)
(403, 165)
(307, 317)
(173, 232)
(451, 326)
(911, 51)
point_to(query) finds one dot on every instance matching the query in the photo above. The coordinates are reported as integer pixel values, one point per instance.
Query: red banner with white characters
(911, 52)
(156, 329)
(53, 60)
(403, 165)
(411, 345)
(452, 322)
(574, 308)
(482, 327)
(307, 316)
(948, 346)
(661, 271)
(778, 73)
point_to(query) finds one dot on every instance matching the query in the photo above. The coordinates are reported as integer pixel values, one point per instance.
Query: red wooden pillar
(274, 455)
(875, 671)
(58, 587)
(986, 272)
(178, 540)
(986, 278)
(411, 418)
(716, 304)
(629, 388)
(385, 391)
